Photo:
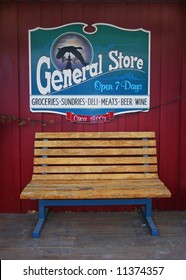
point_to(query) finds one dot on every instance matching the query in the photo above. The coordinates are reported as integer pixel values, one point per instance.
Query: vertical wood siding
(167, 22)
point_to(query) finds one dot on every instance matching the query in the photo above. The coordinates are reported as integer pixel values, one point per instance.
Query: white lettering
(48, 81)
(67, 77)
(121, 61)
(140, 63)
(43, 89)
(114, 60)
(54, 81)
(77, 74)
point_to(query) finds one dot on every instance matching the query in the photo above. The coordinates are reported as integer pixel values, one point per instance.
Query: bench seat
(95, 168)
(96, 189)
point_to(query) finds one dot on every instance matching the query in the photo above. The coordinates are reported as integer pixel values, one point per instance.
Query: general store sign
(89, 76)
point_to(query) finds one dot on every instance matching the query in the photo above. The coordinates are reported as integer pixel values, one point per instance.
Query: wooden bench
(95, 168)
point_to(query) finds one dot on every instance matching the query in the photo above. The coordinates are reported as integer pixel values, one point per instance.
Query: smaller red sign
(89, 119)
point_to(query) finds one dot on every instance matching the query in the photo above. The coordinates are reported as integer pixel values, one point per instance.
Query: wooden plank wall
(167, 116)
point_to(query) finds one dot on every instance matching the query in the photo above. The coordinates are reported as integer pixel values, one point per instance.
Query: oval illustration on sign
(70, 51)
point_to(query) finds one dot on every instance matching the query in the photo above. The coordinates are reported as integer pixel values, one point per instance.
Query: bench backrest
(94, 155)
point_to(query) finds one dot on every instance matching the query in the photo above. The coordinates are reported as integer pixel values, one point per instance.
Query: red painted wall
(167, 22)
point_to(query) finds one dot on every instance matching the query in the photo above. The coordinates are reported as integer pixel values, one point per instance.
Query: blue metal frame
(147, 211)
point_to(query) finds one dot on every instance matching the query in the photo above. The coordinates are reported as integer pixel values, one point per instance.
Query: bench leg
(42, 214)
(148, 216)
(147, 213)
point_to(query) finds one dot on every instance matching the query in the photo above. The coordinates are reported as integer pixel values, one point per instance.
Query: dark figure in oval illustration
(71, 50)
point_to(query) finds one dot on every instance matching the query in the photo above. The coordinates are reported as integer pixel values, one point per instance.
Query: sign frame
(116, 75)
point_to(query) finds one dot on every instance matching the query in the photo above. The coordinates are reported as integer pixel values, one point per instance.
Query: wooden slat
(96, 169)
(96, 143)
(89, 189)
(96, 184)
(95, 152)
(98, 176)
(96, 160)
(93, 135)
